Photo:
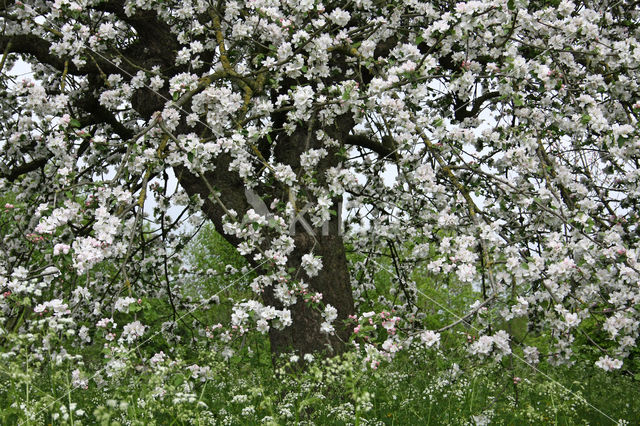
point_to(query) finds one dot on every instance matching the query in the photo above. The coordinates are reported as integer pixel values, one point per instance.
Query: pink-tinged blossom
(106, 323)
(430, 338)
(57, 306)
(531, 354)
(61, 249)
(78, 380)
(608, 364)
(87, 252)
(200, 373)
(122, 303)
(157, 358)
(132, 331)
(390, 345)
(572, 319)
(311, 264)
(327, 328)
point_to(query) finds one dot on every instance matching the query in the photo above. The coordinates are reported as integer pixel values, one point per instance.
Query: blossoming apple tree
(494, 142)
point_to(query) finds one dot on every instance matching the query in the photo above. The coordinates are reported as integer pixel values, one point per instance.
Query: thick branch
(157, 45)
(461, 112)
(29, 44)
(33, 45)
(25, 168)
(383, 149)
(99, 114)
(229, 185)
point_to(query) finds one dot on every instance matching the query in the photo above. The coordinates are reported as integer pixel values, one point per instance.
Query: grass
(420, 386)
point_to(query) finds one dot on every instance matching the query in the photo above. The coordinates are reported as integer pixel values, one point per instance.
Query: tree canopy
(493, 144)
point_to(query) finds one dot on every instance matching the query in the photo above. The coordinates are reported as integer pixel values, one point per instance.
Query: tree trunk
(304, 335)
(333, 281)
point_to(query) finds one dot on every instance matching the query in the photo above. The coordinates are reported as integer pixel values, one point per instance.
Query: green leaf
(74, 123)
(517, 101)
(176, 96)
(308, 402)
(511, 4)
(585, 118)
(177, 380)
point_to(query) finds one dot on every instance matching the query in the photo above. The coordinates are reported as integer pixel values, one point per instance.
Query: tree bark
(304, 335)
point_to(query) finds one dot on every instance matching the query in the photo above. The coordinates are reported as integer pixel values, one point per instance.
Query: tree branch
(461, 112)
(25, 168)
(99, 114)
(29, 44)
(382, 149)
(157, 44)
